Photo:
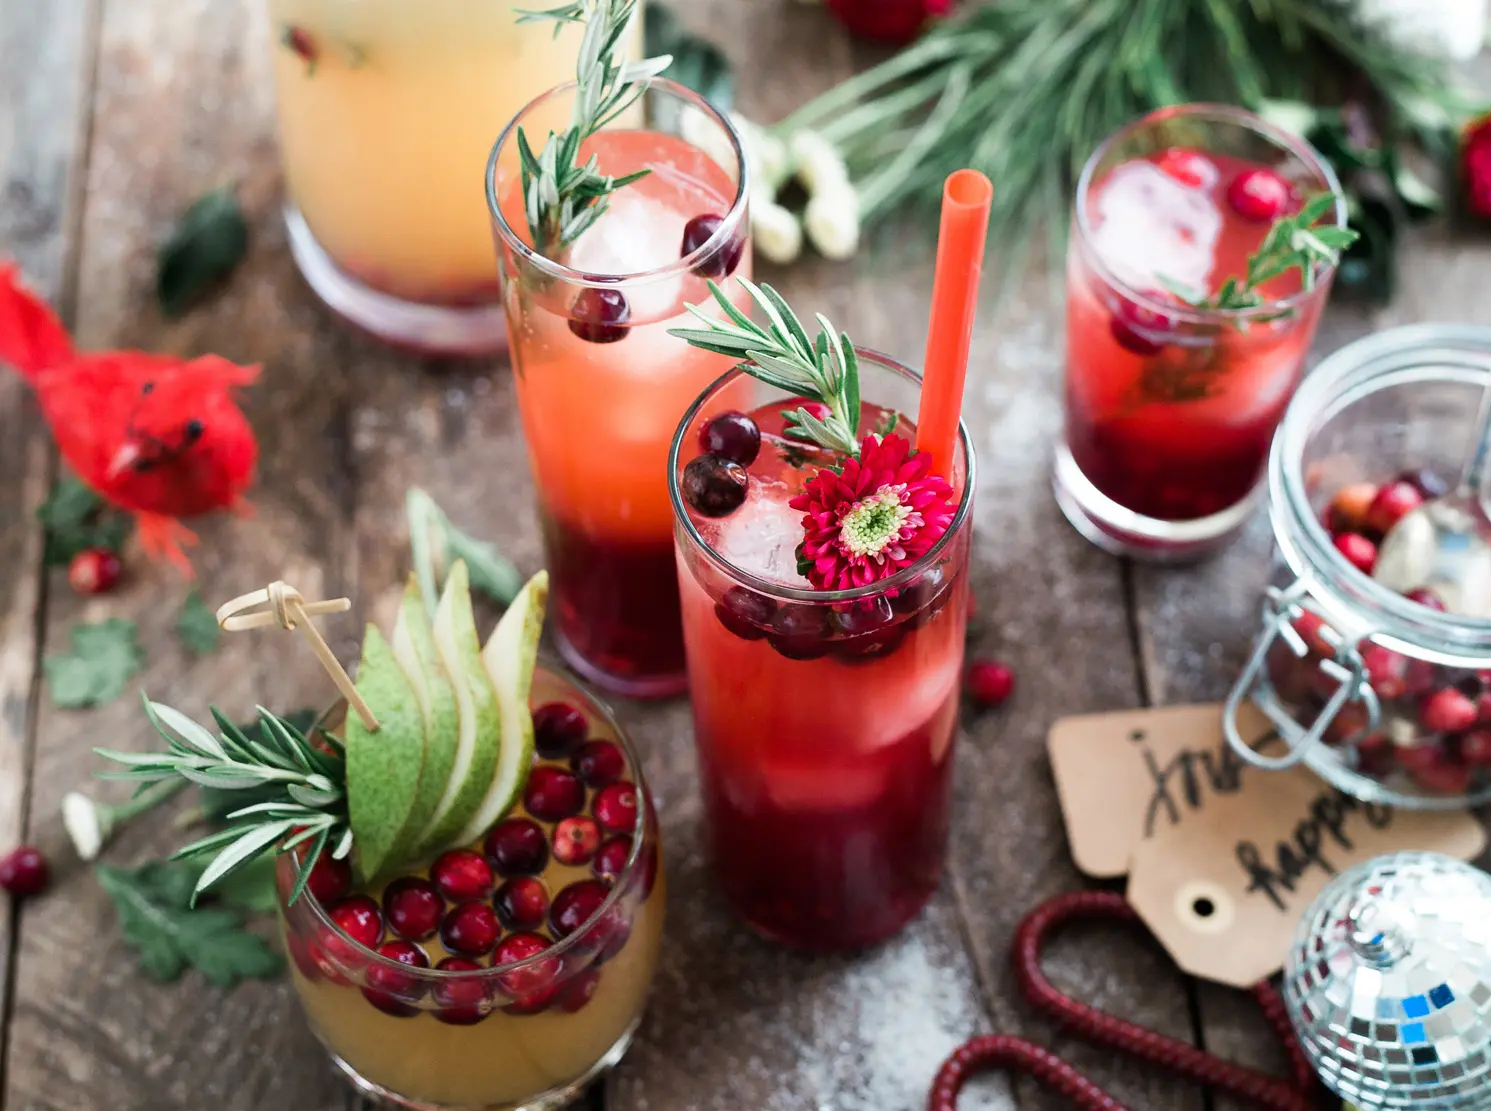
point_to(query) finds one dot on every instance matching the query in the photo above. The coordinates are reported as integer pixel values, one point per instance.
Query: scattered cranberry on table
(94, 571)
(989, 683)
(23, 872)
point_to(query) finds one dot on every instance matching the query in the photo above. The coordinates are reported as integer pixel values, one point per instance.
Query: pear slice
(383, 768)
(479, 738)
(413, 644)
(509, 658)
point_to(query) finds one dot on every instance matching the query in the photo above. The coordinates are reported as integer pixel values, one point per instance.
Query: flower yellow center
(875, 522)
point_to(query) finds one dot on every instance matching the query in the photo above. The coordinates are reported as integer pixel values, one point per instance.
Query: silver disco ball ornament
(1388, 983)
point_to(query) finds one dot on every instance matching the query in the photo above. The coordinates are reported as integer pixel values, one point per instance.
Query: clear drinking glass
(600, 382)
(527, 1034)
(824, 719)
(1170, 409)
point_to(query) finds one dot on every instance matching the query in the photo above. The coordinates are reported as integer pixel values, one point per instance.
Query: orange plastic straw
(960, 262)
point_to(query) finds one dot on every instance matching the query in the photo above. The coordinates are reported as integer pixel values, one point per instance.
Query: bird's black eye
(193, 430)
(146, 388)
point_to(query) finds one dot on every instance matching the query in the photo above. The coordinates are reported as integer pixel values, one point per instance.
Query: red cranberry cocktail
(1172, 400)
(825, 718)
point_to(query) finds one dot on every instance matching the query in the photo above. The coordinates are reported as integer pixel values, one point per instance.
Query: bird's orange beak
(124, 459)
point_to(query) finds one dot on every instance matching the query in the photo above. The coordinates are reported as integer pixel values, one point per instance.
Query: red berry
(1386, 670)
(1483, 708)
(1426, 597)
(1428, 483)
(299, 40)
(600, 316)
(1360, 552)
(816, 409)
(1440, 775)
(1475, 747)
(553, 794)
(576, 905)
(1139, 329)
(732, 435)
(461, 875)
(713, 485)
(23, 872)
(517, 847)
(722, 261)
(1447, 711)
(391, 990)
(94, 571)
(1392, 502)
(461, 999)
(895, 22)
(575, 841)
(307, 959)
(1347, 511)
(412, 908)
(598, 763)
(579, 991)
(357, 916)
(471, 929)
(990, 683)
(1260, 195)
(558, 729)
(1187, 166)
(522, 903)
(611, 859)
(534, 983)
(330, 879)
(615, 807)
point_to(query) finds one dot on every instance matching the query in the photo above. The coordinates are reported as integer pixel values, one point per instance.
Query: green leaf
(105, 656)
(75, 519)
(208, 243)
(698, 64)
(197, 626)
(153, 904)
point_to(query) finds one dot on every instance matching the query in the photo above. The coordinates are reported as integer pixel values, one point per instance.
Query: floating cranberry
(1426, 597)
(23, 872)
(1347, 511)
(869, 627)
(1447, 711)
(93, 571)
(391, 989)
(745, 613)
(732, 435)
(533, 985)
(1428, 483)
(517, 847)
(306, 956)
(412, 907)
(460, 1000)
(600, 316)
(579, 991)
(598, 763)
(919, 595)
(1187, 166)
(575, 840)
(358, 917)
(815, 408)
(576, 905)
(989, 682)
(800, 631)
(1391, 504)
(470, 929)
(330, 879)
(558, 729)
(1139, 329)
(1360, 552)
(719, 263)
(1386, 671)
(462, 874)
(615, 808)
(553, 794)
(648, 862)
(522, 903)
(714, 486)
(1475, 747)
(1260, 195)
(610, 859)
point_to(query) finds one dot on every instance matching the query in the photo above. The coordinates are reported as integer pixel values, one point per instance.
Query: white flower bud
(819, 165)
(767, 155)
(776, 232)
(700, 129)
(81, 819)
(832, 223)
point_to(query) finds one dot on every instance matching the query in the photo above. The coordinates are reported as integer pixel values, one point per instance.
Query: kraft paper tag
(1222, 857)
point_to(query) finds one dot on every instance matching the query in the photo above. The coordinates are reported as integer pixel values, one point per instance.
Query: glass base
(1125, 533)
(552, 1100)
(425, 329)
(646, 688)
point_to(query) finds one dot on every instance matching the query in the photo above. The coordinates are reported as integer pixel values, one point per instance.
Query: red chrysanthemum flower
(883, 512)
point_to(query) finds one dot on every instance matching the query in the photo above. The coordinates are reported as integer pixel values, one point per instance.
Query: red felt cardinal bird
(158, 436)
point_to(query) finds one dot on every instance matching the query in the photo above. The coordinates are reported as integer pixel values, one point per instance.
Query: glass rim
(1217, 113)
(729, 224)
(560, 947)
(779, 591)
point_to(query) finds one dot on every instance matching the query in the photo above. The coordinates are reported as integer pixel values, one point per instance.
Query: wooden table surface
(114, 116)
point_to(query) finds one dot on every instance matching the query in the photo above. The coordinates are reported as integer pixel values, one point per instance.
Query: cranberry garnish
(522, 903)
(389, 989)
(1385, 670)
(719, 263)
(913, 599)
(1447, 711)
(600, 316)
(745, 613)
(714, 486)
(732, 435)
(1347, 511)
(471, 929)
(1139, 329)
(1392, 502)
(1475, 747)
(357, 916)
(330, 879)
(610, 859)
(1360, 552)
(864, 615)
(460, 1000)
(598, 763)
(93, 571)
(579, 991)
(1187, 166)
(462, 874)
(615, 808)
(533, 986)
(815, 408)
(558, 729)
(553, 794)
(517, 847)
(1260, 195)
(800, 631)
(1428, 483)
(305, 956)
(989, 682)
(576, 905)
(412, 908)
(1426, 597)
(576, 839)
(23, 871)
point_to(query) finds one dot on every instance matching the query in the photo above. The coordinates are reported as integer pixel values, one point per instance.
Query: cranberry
(989, 682)
(714, 486)
(1436, 773)
(460, 999)
(412, 908)
(1374, 755)
(1260, 195)
(1187, 166)
(1391, 504)
(299, 41)
(462, 874)
(928, 587)
(800, 631)
(558, 729)
(1447, 711)
(522, 903)
(579, 991)
(305, 955)
(1139, 329)
(1426, 597)
(1475, 747)
(615, 807)
(745, 613)
(93, 571)
(1360, 552)
(732, 435)
(471, 929)
(517, 847)
(610, 859)
(600, 316)
(575, 840)
(389, 989)
(1311, 629)
(815, 408)
(648, 861)
(357, 916)
(719, 263)
(1347, 511)
(23, 872)
(1421, 677)
(576, 905)
(330, 879)
(870, 628)
(1386, 670)
(553, 794)
(1428, 483)
(533, 985)
(598, 763)
(1483, 708)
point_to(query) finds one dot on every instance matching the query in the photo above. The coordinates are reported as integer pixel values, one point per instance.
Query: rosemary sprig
(824, 369)
(562, 198)
(299, 793)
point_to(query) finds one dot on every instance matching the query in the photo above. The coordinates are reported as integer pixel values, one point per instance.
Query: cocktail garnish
(562, 198)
